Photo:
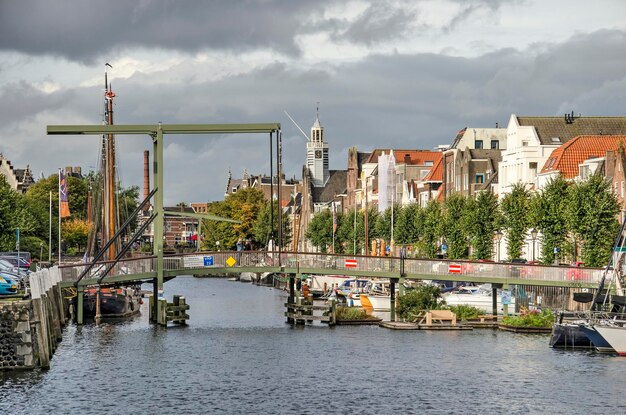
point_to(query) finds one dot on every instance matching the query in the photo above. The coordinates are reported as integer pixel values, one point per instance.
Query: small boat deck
(399, 325)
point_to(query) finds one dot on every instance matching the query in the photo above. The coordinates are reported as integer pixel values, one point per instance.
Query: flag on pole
(334, 218)
(64, 207)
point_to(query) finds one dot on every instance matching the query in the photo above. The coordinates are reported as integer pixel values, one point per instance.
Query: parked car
(7, 266)
(15, 261)
(8, 286)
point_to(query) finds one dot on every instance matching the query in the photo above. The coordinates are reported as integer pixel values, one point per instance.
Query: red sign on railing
(351, 263)
(454, 268)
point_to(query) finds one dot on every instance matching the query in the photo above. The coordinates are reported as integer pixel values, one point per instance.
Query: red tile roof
(411, 157)
(436, 172)
(570, 155)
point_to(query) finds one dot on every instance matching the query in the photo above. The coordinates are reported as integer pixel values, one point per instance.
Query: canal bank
(31, 329)
(237, 355)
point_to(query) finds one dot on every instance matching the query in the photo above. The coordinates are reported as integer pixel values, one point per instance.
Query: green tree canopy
(592, 218)
(515, 206)
(244, 206)
(454, 218)
(548, 214)
(482, 218)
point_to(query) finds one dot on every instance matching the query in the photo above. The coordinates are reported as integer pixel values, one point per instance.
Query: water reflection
(238, 355)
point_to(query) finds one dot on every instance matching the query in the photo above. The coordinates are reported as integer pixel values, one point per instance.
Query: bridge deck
(217, 263)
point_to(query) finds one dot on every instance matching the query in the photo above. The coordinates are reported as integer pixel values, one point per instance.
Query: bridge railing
(501, 270)
(71, 272)
(343, 264)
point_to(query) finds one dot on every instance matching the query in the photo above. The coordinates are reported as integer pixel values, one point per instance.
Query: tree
(482, 217)
(406, 230)
(128, 200)
(9, 200)
(432, 229)
(77, 191)
(262, 228)
(515, 206)
(243, 206)
(592, 217)
(453, 226)
(548, 214)
(74, 232)
(320, 231)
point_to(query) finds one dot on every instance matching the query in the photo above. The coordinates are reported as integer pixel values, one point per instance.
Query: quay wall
(30, 330)
(16, 336)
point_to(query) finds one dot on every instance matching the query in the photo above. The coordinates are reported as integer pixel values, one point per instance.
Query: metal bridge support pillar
(79, 305)
(157, 245)
(505, 307)
(494, 298)
(292, 295)
(392, 298)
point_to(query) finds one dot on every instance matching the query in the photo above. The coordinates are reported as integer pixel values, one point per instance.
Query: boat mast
(109, 169)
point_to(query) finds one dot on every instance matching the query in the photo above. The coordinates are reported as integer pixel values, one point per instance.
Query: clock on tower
(318, 154)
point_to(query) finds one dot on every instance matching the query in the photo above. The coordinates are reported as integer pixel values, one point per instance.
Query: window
(524, 143)
(234, 190)
(168, 226)
(428, 163)
(478, 144)
(480, 178)
(495, 144)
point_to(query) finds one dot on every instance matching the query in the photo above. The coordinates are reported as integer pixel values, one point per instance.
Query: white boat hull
(319, 282)
(615, 336)
(377, 302)
(481, 301)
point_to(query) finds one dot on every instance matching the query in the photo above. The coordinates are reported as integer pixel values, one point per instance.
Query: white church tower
(317, 154)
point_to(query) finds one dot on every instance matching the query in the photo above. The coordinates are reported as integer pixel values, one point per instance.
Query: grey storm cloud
(397, 100)
(380, 22)
(82, 30)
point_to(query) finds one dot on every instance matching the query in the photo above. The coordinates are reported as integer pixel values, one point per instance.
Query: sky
(385, 74)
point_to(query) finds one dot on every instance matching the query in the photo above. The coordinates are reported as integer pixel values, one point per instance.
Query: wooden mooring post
(301, 312)
(174, 312)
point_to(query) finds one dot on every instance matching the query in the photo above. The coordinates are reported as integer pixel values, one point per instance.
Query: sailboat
(603, 330)
(107, 301)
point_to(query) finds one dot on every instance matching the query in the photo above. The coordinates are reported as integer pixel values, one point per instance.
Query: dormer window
(556, 139)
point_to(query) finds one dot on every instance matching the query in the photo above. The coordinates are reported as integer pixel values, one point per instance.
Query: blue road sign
(208, 261)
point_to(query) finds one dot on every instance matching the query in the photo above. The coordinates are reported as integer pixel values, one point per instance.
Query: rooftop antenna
(296, 124)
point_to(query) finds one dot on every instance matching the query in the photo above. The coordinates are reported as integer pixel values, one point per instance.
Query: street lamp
(498, 236)
(533, 235)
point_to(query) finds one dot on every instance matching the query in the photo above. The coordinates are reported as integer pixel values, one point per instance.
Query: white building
(531, 140)
(317, 155)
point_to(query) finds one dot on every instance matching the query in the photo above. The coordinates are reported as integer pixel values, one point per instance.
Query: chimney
(146, 176)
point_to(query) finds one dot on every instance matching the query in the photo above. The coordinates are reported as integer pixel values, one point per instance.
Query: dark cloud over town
(382, 98)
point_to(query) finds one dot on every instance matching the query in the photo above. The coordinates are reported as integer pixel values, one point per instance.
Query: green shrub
(351, 313)
(424, 297)
(531, 318)
(465, 312)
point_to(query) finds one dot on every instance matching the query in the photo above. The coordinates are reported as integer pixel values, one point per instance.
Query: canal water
(238, 356)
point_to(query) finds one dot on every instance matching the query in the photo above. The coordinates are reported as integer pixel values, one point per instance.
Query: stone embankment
(31, 329)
